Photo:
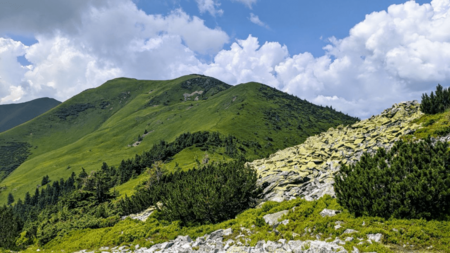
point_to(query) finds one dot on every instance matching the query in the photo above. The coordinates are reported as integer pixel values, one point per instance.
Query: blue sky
(357, 56)
(304, 26)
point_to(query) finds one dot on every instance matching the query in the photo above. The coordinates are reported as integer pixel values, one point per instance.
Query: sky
(360, 57)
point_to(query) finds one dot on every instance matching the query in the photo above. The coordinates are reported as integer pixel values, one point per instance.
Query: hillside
(296, 215)
(125, 117)
(12, 115)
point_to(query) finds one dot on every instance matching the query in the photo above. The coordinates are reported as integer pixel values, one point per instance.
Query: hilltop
(125, 117)
(12, 115)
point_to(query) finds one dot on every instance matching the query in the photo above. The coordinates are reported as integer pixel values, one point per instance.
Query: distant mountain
(12, 115)
(125, 117)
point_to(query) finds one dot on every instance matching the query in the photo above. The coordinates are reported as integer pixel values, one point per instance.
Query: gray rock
(350, 231)
(227, 231)
(272, 219)
(375, 237)
(328, 212)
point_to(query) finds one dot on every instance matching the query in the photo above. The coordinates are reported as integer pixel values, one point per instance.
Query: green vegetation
(305, 223)
(410, 181)
(214, 193)
(10, 227)
(12, 115)
(12, 155)
(437, 102)
(433, 125)
(108, 124)
(85, 201)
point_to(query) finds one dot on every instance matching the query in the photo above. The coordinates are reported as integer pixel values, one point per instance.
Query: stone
(328, 212)
(272, 219)
(227, 232)
(349, 231)
(375, 237)
(343, 144)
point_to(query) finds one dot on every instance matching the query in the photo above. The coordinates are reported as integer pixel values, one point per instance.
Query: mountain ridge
(12, 115)
(106, 123)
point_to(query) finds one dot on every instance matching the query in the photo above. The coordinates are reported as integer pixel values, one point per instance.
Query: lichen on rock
(307, 170)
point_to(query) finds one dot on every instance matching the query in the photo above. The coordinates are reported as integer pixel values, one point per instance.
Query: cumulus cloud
(255, 20)
(247, 61)
(46, 16)
(210, 6)
(109, 41)
(390, 56)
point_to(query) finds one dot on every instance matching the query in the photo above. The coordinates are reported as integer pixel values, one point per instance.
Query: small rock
(272, 219)
(375, 237)
(328, 212)
(227, 231)
(350, 231)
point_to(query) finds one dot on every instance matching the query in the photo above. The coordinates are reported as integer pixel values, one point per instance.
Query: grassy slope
(251, 112)
(12, 115)
(398, 234)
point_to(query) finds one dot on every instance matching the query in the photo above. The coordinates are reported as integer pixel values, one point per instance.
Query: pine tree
(10, 199)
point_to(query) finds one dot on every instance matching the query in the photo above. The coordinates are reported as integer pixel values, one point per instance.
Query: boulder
(328, 212)
(272, 219)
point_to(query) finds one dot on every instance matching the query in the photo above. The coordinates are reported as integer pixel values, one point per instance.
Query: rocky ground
(307, 170)
(224, 240)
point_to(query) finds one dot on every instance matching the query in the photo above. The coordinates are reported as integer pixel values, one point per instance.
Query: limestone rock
(329, 212)
(308, 169)
(272, 219)
(375, 237)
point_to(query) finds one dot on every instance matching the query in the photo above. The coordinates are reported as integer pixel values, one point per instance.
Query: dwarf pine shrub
(410, 181)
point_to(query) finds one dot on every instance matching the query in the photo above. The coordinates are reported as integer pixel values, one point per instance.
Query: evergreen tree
(437, 102)
(10, 227)
(10, 199)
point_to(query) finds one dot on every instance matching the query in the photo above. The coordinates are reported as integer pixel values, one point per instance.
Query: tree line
(437, 102)
(84, 200)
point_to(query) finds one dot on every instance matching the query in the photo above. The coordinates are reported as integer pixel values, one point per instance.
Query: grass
(305, 223)
(433, 125)
(125, 108)
(15, 114)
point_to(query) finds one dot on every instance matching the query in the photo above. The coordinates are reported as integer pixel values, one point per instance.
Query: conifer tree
(10, 199)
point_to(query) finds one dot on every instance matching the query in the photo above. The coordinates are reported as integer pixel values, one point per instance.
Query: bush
(212, 194)
(410, 181)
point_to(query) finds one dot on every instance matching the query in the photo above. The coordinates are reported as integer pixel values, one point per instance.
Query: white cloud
(110, 41)
(11, 72)
(389, 57)
(210, 6)
(248, 3)
(247, 61)
(255, 20)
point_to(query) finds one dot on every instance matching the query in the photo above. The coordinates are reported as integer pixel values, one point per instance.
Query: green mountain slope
(104, 125)
(12, 115)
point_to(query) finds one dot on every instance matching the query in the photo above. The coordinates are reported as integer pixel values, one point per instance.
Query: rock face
(307, 170)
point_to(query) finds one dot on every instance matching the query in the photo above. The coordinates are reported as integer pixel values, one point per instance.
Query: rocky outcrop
(215, 242)
(142, 216)
(307, 170)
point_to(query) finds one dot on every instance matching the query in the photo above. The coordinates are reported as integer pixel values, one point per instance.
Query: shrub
(215, 193)
(410, 181)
